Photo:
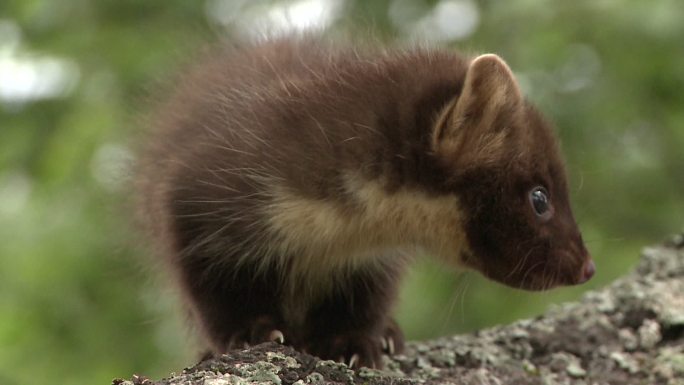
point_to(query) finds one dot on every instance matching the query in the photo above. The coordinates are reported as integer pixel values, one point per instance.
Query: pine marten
(290, 182)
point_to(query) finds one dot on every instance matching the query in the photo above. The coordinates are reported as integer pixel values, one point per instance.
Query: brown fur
(289, 182)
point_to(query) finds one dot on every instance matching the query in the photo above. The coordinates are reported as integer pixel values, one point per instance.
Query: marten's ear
(478, 119)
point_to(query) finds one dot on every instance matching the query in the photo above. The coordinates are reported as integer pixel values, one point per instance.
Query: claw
(390, 346)
(383, 342)
(353, 360)
(277, 336)
(232, 342)
(340, 359)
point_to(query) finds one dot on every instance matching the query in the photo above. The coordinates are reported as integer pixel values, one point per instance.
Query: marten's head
(503, 163)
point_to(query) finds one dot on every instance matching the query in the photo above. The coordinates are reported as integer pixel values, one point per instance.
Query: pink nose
(588, 272)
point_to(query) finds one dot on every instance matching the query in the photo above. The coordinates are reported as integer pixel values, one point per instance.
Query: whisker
(614, 239)
(521, 263)
(531, 268)
(458, 296)
(581, 182)
(463, 297)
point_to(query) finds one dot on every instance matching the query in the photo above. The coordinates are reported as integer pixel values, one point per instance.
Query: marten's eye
(539, 199)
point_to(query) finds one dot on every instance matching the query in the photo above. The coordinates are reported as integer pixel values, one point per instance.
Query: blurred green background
(78, 304)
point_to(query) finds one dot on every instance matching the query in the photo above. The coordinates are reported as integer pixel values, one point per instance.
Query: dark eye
(539, 199)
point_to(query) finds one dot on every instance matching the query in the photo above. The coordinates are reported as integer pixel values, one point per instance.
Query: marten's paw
(393, 339)
(358, 349)
(265, 329)
(261, 329)
(354, 349)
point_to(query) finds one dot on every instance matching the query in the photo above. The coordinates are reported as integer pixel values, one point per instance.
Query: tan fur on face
(321, 237)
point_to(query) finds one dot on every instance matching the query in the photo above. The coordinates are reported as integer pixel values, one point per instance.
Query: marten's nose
(588, 271)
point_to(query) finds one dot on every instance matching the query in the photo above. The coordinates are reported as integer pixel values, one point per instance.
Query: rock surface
(631, 332)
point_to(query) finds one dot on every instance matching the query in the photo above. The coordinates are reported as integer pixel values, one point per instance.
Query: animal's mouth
(579, 276)
(544, 279)
(538, 284)
(540, 278)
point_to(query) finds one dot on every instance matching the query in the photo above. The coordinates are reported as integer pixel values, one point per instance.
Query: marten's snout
(587, 271)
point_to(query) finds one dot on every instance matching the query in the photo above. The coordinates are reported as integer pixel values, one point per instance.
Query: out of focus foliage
(76, 303)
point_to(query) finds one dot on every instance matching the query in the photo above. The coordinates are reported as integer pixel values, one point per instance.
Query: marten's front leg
(235, 306)
(353, 322)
